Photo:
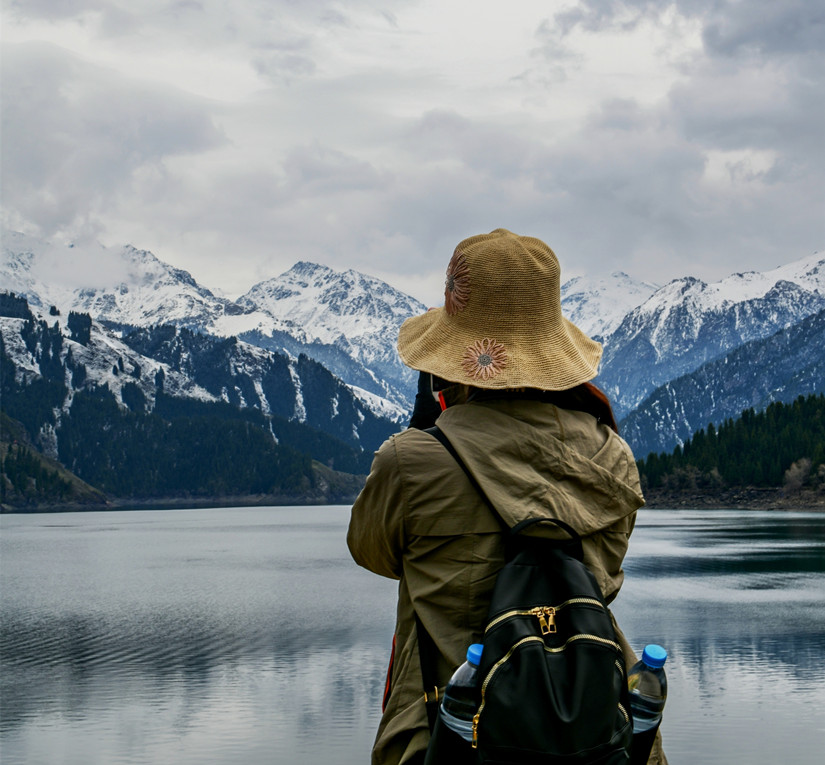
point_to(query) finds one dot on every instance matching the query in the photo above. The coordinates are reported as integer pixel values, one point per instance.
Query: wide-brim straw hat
(501, 325)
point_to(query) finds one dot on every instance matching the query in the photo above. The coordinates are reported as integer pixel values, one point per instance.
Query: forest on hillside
(780, 447)
(177, 448)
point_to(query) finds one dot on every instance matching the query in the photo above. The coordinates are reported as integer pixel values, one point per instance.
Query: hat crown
(501, 325)
(511, 280)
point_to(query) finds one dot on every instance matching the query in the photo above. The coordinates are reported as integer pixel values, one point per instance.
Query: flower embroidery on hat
(484, 359)
(457, 284)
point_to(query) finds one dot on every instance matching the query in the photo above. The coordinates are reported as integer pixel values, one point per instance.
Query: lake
(249, 636)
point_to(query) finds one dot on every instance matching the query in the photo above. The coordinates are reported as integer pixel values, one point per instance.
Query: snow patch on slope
(380, 406)
(300, 410)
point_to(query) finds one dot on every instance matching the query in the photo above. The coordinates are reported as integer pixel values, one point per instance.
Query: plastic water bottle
(460, 701)
(647, 684)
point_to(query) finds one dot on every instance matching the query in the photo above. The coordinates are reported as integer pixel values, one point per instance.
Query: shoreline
(176, 503)
(749, 498)
(745, 498)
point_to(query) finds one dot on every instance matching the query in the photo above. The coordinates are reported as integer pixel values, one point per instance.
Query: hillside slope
(781, 367)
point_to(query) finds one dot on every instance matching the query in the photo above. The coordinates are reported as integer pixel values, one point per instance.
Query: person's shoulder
(413, 440)
(415, 453)
(407, 443)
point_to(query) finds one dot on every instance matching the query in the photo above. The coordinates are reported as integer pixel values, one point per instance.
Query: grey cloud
(629, 191)
(590, 16)
(757, 87)
(441, 135)
(74, 136)
(279, 65)
(332, 17)
(551, 46)
(316, 169)
(626, 191)
(215, 19)
(596, 15)
(630, 176)
(51, 9)
(620, 114)
(757, 108)
(118, 22)
(767, 27)
(730, 27)
(761, 87)
(391, 18)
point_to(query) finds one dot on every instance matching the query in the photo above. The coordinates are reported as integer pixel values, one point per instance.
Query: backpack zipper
(490, 676)
(624, 713)
(534, 639)
(545, 614)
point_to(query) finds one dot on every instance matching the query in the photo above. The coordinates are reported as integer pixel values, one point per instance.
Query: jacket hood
(534, 460)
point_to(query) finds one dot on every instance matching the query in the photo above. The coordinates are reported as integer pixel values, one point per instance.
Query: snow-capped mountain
(88, 356)
(330, 306)
(688, 322)
(781, 367)
(69, 352)
(116, 286)
(597, 305)
(244, 375)
(346, 320)
(167, 414)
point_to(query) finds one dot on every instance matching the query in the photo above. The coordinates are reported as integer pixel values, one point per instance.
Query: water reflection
(738, 600)
(214, 636)
(189, 637)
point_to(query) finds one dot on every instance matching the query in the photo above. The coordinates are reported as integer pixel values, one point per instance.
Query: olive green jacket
(419, 520)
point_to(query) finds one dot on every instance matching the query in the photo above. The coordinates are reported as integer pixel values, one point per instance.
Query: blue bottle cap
(654, 656)
(474, 653)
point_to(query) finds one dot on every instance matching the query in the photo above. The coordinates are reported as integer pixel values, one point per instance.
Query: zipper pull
(547, 618)
(550, 613)
(475, 729)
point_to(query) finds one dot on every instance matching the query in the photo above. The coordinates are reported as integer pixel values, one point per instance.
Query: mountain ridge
(161, 396)
(778, 368)
(688, 322)
(134, 288)
(348, 321)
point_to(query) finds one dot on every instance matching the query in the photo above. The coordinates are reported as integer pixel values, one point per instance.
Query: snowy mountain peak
(597, 305)
(346, 320)
(689, 322)
(147, 266)
(123, 285)
(807, 273)
(327, 304)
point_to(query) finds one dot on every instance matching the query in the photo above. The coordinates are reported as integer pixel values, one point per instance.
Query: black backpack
(552, 678)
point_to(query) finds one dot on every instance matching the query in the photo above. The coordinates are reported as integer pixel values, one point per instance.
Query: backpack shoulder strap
(437, 433)
(427, 650)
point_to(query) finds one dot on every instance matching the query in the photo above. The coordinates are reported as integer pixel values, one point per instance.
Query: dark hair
(583, 398)
(596, 403)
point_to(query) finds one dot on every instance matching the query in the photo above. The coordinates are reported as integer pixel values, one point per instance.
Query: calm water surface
(248, 636)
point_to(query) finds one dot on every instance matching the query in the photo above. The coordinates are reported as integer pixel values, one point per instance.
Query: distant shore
(178, 503)
(747, 498)
(750, 498)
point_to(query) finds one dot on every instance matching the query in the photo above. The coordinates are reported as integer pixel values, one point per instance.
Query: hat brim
(432, 343)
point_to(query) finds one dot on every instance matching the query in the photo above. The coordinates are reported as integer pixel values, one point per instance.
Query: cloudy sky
(659, 137)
